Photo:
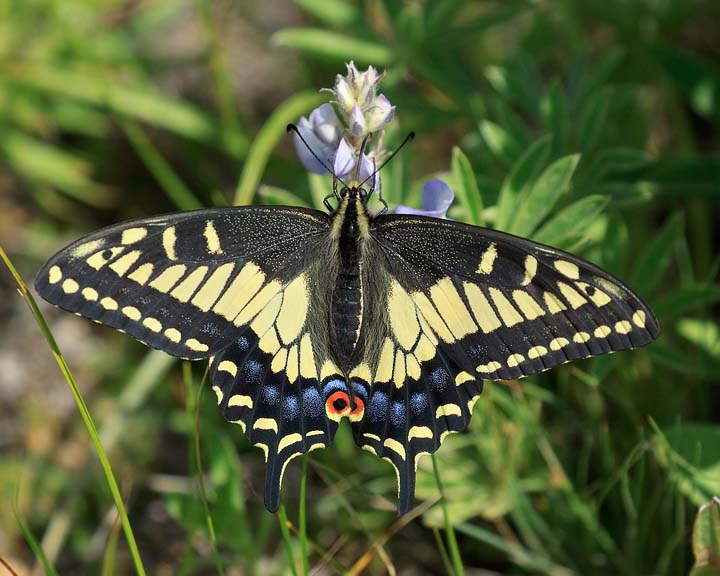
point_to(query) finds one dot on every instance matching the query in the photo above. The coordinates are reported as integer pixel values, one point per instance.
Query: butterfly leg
(372, 189)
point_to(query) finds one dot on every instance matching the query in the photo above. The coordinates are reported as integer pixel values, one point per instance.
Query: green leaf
(631, 193)
(705, 334)
(595, 77)
(554, 110)
(571, 222)
(138, 102)
(523, 171)
(275, 196)
(267, 138)
(466, 187)
(552, 184)
(706, 539)
(500, 143)
(593, 120)
(333, 12)
(686, 299)
(691, 453)
(697, 78)
(334, 46)
(696, 176)
(655, 259)
(42, 163)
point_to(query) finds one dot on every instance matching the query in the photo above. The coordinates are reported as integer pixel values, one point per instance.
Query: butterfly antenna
(360, 158)
(408, 138)
(296, 131)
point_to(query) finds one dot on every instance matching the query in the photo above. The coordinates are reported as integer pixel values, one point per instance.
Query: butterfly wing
(241, 286)
(180, 282)
(463, 304)
(278, 381)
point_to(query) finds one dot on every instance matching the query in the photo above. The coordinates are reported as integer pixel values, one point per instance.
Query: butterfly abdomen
(347, 300)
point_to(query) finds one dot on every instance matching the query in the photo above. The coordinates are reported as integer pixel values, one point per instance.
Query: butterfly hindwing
(279, 409)
(278, 380)
(184, 283)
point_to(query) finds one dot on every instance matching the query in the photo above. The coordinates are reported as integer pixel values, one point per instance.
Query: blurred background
(113, 109)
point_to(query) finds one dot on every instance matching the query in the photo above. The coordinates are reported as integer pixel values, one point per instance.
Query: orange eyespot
(338, 403)
(359, 407)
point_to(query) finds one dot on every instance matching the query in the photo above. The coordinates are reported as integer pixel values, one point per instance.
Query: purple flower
(380, 114)
(345, 163)
(336, 134)
(323, 132)
(437, 197)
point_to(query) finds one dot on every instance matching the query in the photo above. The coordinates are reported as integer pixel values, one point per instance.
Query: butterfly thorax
(350, 228)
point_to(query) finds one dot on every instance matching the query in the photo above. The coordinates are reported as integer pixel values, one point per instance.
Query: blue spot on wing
(377, 407)
(270, 395)
(418, 403)
(252, 372)
(334, 385)
(397, 414)
(312, 403)
(243, 343)
(360, 390)
(290, 408)
(439, 378)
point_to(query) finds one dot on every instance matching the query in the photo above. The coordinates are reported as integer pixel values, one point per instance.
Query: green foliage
(589, 125)
(706, 540)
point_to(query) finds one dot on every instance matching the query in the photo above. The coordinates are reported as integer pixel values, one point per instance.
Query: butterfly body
(352, 222)
(391, 321)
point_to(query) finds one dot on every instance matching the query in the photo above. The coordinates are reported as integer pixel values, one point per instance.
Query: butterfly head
(355, 191)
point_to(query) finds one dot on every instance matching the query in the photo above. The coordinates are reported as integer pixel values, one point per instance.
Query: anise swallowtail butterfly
(392, 321)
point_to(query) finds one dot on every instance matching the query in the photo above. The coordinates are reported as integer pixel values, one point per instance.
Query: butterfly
(392, 321)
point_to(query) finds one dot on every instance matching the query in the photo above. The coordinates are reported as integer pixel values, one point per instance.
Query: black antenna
(408, 138)
(293, 128)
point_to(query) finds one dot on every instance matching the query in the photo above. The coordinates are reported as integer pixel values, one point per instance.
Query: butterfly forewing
(180, 282)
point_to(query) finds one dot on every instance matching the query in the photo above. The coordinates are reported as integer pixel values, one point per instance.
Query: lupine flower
(345, 163)
(323, 132)
(437, 197)
(337, 140)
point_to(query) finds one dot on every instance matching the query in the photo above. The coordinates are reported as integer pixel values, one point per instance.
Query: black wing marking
(183, 283)
(465, 304)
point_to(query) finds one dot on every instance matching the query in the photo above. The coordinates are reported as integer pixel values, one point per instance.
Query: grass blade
(457, 563)
(168, 179)
(332, 12)
(84, 413)
(466, 187)
(334, 46)
(194, 410)
(34, 544)
(553, 183)
(267, 138)
(287, 539)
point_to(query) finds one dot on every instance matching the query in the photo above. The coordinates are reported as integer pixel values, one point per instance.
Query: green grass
(592, 126)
